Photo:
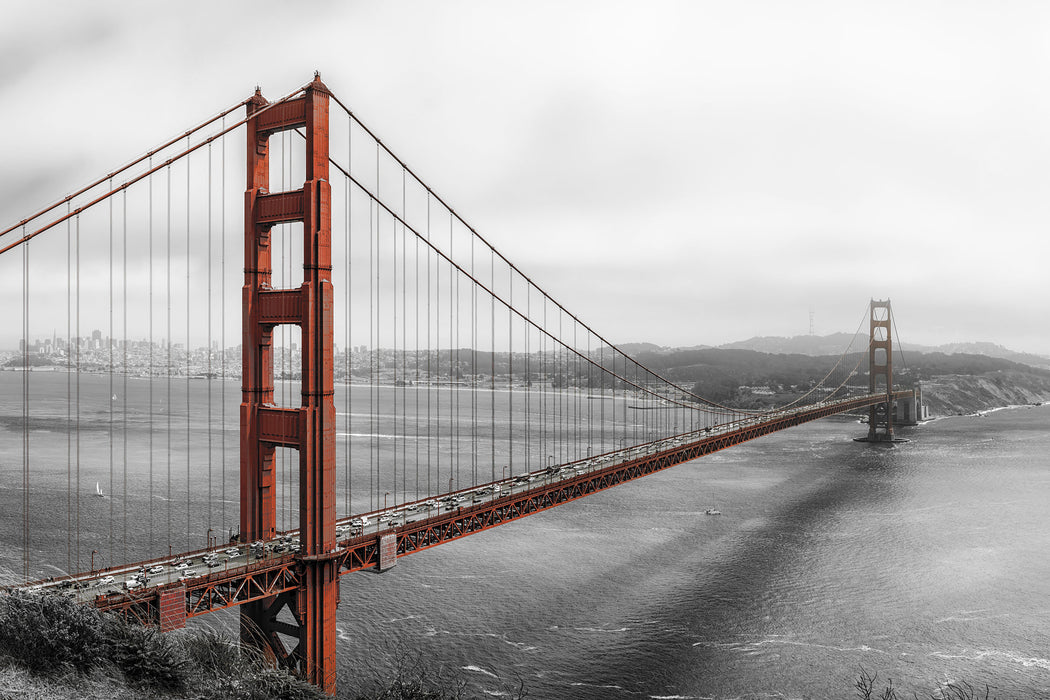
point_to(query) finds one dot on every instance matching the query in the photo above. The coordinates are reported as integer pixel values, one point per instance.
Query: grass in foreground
(51, 647)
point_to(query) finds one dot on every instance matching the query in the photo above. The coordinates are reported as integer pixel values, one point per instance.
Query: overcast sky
(677, 173)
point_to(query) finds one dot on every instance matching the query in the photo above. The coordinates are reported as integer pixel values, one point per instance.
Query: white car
(156, 570)
(105, 581)
(132, 583)
(182, 565)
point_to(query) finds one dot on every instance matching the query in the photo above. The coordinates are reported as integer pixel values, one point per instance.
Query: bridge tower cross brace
(310, 428)
(880, 365)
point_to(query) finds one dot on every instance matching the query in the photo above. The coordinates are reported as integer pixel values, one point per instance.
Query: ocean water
(924, 562)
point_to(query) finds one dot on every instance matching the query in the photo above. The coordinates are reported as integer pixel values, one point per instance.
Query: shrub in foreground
(867, 687)
(56, 640)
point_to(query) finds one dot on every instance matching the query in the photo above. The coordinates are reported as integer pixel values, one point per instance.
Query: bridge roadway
(188, 585)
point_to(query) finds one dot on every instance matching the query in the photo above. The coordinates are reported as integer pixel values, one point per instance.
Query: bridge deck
(246, 572)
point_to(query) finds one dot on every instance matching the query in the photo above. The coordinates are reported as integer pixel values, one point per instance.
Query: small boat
(114, 397)
(712, 511)
(98, 490)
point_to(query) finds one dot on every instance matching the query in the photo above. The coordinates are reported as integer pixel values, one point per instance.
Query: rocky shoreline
(956, 395)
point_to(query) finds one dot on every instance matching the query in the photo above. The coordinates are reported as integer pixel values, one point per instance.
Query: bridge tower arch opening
(303, 619)
(880, 371)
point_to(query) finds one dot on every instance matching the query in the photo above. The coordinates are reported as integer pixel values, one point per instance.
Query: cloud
(769, 156)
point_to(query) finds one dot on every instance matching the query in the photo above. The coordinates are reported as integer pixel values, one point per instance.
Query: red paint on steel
(171, 603)
(310, 428)
(274, 575)
(880, 415)
(318, 596)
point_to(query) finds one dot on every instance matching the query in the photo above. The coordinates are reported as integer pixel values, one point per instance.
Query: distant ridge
(835, 343)
(813, 345)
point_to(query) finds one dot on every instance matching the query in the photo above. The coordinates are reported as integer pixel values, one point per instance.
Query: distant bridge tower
(880, 372)
(309, 612)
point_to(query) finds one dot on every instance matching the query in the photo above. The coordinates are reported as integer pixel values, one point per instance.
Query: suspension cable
(837, 363)
(900, 346)
(150, 171)
(488, 290)
(453, 213)
(123, 168)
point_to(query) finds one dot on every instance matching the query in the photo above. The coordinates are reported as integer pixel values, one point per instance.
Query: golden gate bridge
(441, 391)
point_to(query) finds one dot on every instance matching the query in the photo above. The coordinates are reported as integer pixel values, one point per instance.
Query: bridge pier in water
(311, 428)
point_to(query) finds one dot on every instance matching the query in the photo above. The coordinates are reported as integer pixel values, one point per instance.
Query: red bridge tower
(880, 372)
(311, 427)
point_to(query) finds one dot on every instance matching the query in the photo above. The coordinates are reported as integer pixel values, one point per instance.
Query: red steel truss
(270, 580)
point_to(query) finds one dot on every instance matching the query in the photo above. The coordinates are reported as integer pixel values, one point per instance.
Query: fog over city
(674, 173)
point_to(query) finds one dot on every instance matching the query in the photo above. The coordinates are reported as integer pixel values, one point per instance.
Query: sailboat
(98, 490)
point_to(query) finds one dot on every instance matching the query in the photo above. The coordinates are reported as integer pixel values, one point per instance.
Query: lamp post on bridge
(93, 553)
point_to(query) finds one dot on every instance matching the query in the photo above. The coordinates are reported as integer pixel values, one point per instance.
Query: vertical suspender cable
(25, 408)
(437, 362)
(404, 342)
(492, 357)
(151, 370)
(124, 373)
(544, 386)
(187, 348)
(453, 325)
(510, 371)
(222, 325)
(590, 388)
(415, 287)
(285, 264)
(167, 341)
(350, 278)
(393, 335)
(372, 352)
(207, 341)
(474, 367)
(430, 375)
(109, 342)
(528, 378)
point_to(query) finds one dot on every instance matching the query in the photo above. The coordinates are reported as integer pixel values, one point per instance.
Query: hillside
(952, 383)
(834, 343)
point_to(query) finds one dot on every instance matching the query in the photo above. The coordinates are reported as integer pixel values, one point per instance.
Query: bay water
(923, 562)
